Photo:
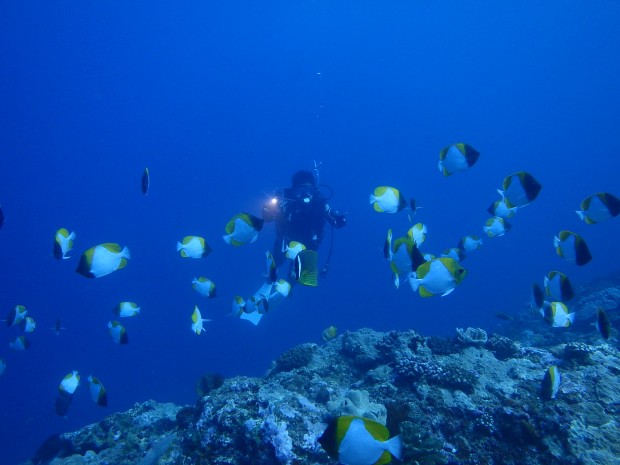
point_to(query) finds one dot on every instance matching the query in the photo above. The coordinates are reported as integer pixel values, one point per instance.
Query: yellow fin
(424, 292)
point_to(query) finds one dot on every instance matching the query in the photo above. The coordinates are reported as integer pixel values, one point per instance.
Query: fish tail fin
(125, 253)
(179, 246)
(414, 282)
(394, 446)
(372, 198)
(580, 214)
(225, 237)
(571, 317)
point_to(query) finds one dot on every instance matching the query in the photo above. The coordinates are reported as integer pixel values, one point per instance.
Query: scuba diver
(301, 213)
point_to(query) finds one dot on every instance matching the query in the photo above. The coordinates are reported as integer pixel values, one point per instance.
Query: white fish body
(64, 241)
(243, 233)
(359, 447)
(385, 199)
(192, 247)
(70, 382)
(203, 286)
(418, 233)
(197, 321)
(438, 280)
(106, 261)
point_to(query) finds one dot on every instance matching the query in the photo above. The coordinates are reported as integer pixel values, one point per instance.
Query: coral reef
(454, 401)
(472, 336)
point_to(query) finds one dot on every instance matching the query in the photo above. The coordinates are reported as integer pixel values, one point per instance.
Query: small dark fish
(57, 327)
(503, 316)
(146, 181)
(602, 323)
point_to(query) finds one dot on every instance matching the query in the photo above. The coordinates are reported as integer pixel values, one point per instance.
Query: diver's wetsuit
(301, 214)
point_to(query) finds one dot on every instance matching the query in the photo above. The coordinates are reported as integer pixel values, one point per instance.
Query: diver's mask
(304, 193)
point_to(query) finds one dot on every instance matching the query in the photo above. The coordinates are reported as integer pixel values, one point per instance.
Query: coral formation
(472, 336)
(454, 401)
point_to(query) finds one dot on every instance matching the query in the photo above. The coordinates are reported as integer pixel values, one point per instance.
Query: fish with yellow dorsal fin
(438, 276)
(193, 247)
(102, 260)
(457, 157)
(63, 243)
(198, 320)
(242, 229)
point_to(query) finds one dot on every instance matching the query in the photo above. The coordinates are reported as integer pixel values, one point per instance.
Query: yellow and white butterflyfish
(438, 276)
(457, 157)
(470, 243)
(242, 229)
(272, 271)
(417, 232)
(198, 320)
(499, 208)
(97, 392)
(283, 287)
(519, 189)
(551, 382)
(401, 262)
(63, 243)
(28, 325)
(238, 305)
(496, 227)
(16, 315)
(329, 333)
(102, 260)
(455, 253)
(117, 332)
(355, 440)
(558, 286)
(557, 314)
(127, 309)
(405, 256)
(69, 383)
(386, 199)
(599, 207)
(292, 249)
(193, 247)
(572, 247)
(20, 343)
(204, 286)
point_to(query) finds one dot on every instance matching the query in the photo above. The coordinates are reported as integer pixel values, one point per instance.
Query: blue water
(223, 103)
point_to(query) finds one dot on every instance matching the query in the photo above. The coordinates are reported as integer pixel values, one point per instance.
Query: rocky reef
(471, 399)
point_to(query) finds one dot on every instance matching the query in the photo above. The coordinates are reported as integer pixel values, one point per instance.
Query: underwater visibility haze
(223, 103)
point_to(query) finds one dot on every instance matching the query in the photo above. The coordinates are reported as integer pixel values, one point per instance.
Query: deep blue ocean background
(223, 101)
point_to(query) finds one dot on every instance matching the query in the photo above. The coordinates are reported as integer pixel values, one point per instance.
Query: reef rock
(454, 403)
